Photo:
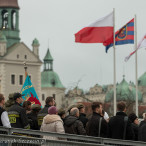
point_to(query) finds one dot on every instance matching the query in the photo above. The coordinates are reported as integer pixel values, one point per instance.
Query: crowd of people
(50, 119)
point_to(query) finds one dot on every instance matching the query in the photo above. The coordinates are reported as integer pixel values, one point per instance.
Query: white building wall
(17, 70)
(59, 95)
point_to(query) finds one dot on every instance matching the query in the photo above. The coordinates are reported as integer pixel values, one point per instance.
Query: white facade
(12, 73)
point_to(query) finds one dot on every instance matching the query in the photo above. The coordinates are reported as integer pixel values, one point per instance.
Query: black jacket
(142, 133)
(73, 126)
(32, 118)
(93, 126)
(116, 127)
(17, 116)
(142, 123)
(135, 129)
(42, 113)
(83, 119)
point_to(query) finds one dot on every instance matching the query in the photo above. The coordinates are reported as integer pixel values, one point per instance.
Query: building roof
(9, 4)
(50, 79)
(142, 80)
(124, 92)
(48, 56)
(35, 42)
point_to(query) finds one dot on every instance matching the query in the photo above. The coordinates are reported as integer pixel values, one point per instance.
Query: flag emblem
(122, 34)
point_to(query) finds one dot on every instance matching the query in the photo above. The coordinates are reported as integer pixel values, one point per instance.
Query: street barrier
(34, 138)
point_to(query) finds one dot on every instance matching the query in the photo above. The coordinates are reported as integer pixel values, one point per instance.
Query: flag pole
(25, 68)
(114, 63)
(135, 40)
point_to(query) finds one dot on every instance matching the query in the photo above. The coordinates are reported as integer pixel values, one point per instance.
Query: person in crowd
(120, 126)
(52, 123)
(61, 113)
(27, 106)
(134, 119)
(17, 114)
(70, 107)
(105, 115)
(4, 120)
(71, 123)
(144, 120)
(32, 116)
(142, 132)
(97, 126)
(49, 102)
(82, 116)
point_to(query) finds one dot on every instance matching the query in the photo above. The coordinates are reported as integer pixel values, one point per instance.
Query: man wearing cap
(49, 102)
(82, 116)
(17, 114)
(32, 116)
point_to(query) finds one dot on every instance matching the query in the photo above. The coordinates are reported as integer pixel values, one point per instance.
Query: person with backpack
(97, 125)
(119, 126)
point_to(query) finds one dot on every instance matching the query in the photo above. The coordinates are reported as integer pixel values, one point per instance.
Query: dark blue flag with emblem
(123, 36)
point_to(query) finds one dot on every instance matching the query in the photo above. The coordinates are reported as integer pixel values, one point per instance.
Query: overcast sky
(54, 23)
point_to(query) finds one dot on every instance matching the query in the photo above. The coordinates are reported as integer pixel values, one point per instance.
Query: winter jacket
(42, 114)
(52, 123)
(83, 119)
(142, 133)
(135, 129)
(73, 125)
(142, 123)
(116, 127)
(92, 126)
(32, 118)
(17, 117)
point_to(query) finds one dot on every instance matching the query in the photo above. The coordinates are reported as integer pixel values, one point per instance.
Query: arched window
(13, 19)
(4, 19)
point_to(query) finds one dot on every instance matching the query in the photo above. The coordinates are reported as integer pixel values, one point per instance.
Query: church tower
(9, 14)
(51, 84)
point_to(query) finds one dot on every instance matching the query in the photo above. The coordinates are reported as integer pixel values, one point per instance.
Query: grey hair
(74, 111)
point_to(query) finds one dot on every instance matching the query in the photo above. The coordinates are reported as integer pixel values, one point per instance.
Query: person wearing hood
(72, 124)
(52, 123)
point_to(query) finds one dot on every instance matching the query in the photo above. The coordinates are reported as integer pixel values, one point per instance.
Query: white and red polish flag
(141, 44)
(97, 32)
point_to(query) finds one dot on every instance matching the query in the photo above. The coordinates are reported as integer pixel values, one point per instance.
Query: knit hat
(132, 117)
(52, 110)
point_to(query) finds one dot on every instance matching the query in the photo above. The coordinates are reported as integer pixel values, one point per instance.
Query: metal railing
(35, 137)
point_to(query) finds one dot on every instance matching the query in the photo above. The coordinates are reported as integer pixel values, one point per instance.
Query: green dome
(3, 38)
(35, 42)
(142, 80)
(124, 92)
(50, 79)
